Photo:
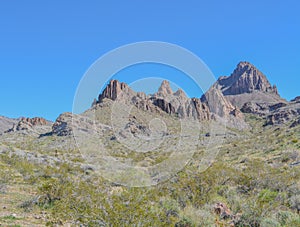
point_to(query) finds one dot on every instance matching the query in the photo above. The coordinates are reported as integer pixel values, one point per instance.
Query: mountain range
(246, 90)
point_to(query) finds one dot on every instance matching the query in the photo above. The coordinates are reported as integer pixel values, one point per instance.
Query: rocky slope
(285, 114)
(36, 125)
(6, 123)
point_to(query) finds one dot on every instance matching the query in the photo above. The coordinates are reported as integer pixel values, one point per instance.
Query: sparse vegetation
(253, 176)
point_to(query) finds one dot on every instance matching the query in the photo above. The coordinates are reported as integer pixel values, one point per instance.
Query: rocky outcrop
(295, 123)
(164, 105)
(277, 106)
(249, 90)
(165, 89)
(247, 84)
(7, 123)
(261, 109)
(223, 110)
(28, 124)
(296, 100)
(246, 78)
(217, 103)
(198, 109)
(63, 125)
(178, 104)
(68, 124)
(116, 89)
(282, 116)
(165, 100)
(284, 113)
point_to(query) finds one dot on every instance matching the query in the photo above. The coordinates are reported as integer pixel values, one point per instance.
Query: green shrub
(295, 141)
(267, 196)
(185, 222)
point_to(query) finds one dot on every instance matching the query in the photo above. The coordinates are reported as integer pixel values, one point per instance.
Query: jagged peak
(245, 68)
(245, 63)
(246, 78)
(165, 88)
(180, 93)
(113, 91)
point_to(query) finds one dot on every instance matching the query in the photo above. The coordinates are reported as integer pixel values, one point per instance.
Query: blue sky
(47, 46)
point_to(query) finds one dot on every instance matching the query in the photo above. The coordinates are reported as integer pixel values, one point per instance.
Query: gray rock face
(165, 100)
(223, 109)
(198, 109)
(247, 84)
(165, 89)
(217, 102)
(246, 78)
(63, 125)
(178, 104)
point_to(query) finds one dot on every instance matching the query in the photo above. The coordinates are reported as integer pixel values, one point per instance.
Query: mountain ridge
(246, 90)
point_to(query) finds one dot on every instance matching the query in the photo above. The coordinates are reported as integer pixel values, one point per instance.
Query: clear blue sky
(46, 46)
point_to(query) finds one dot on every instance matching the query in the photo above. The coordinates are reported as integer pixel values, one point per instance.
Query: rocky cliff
(248, 85)
(212, 105)
(165, 100)
(246, 78)
(223, 110)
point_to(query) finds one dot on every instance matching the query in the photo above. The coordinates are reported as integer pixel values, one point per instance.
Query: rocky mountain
(249, 90)
(165, 100)
(248, 84)
(212, 105)
(246, 78)
(245, 91)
